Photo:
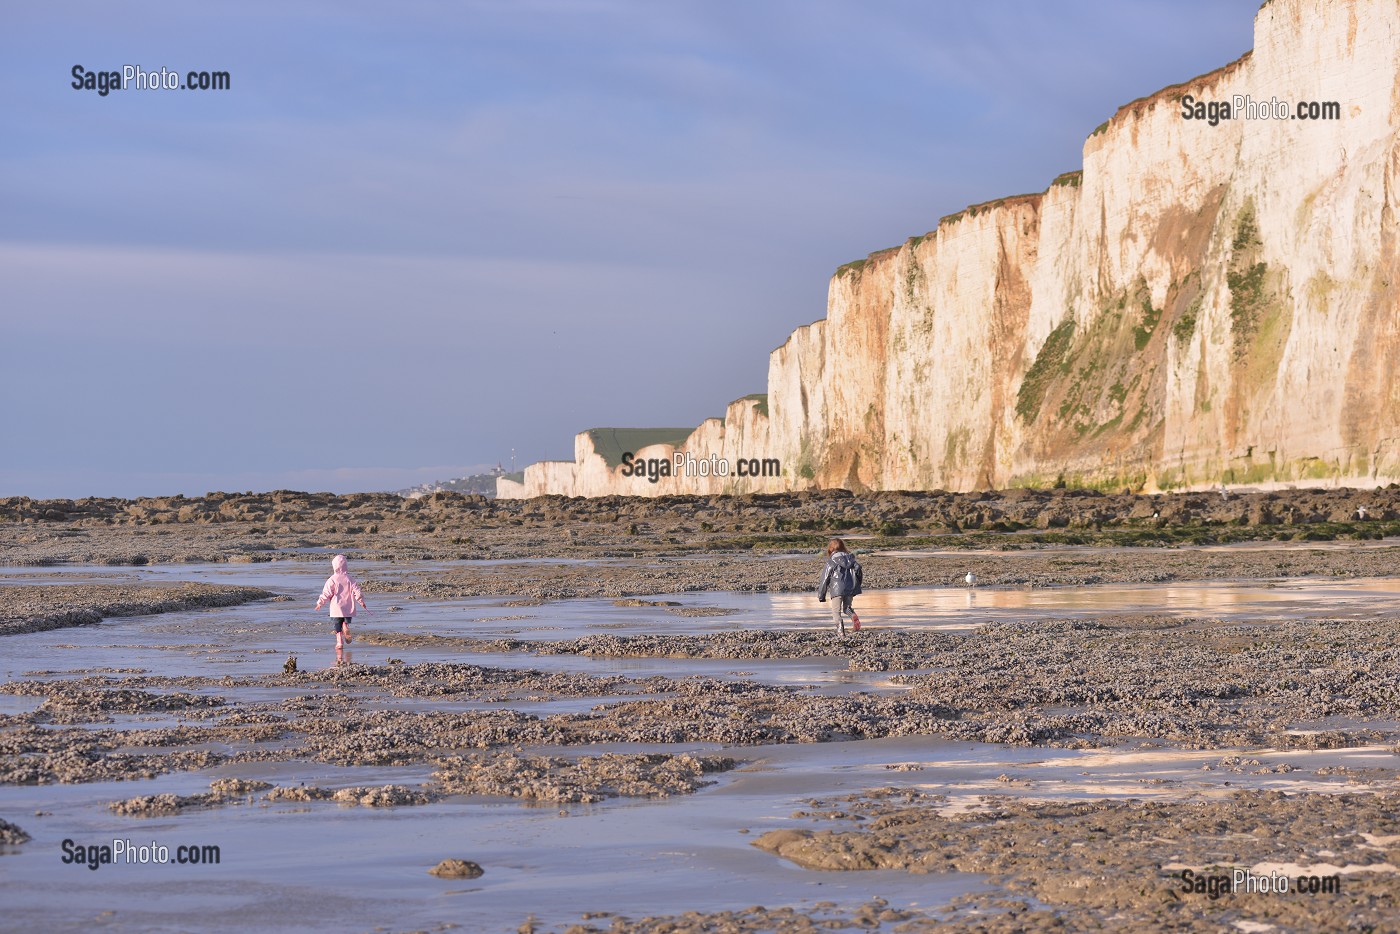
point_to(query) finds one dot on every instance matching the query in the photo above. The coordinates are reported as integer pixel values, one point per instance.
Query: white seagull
(971, 579)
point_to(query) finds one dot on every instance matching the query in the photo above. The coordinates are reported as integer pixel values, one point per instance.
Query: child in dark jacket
(841, 579)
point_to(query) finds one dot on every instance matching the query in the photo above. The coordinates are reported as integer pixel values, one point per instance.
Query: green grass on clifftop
(612, 443)
(759, 400)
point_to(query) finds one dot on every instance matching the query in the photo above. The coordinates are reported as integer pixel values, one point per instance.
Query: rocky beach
(288, 525)
(1118, 456)
(1135, 687)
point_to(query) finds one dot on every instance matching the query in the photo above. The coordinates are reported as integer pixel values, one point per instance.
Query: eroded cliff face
(1200, 304)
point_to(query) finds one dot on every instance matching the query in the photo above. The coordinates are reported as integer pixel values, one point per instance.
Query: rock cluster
(35, 608)
(1118, 862)
(385, 796)
(585, 779)
(240, 791)
(221, 791)
(11, 834)
(311, 526)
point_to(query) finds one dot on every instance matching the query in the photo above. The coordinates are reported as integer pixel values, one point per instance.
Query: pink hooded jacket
(341, 590)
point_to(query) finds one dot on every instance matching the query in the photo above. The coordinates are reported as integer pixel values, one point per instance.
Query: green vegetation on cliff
(854, 268)
(1103, 374)
(1186, 325)
(1245, 278)
(1260, 313)
(1150, 316)
(612, 443)
(1050, 363)
(760, 402)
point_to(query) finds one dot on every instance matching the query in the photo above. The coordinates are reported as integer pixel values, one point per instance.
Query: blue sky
(412, 237)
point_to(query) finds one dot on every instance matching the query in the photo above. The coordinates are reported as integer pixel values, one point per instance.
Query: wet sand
(677, 743)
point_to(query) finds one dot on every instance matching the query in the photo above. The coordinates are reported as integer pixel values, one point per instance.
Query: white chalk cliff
(1201, 304)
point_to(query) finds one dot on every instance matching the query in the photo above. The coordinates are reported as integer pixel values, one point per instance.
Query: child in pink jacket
(342, 593)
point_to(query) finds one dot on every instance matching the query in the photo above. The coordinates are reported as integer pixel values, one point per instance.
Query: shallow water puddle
(653, 856)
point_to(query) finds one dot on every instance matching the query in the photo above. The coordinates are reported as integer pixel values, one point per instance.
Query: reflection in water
(958, 608)
(199, 641)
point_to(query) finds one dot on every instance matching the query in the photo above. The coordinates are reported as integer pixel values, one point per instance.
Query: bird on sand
(971, 579)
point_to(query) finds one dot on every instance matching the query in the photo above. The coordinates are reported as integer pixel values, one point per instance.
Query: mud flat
(1071, 684)
(1052, 766)
(39, 607)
